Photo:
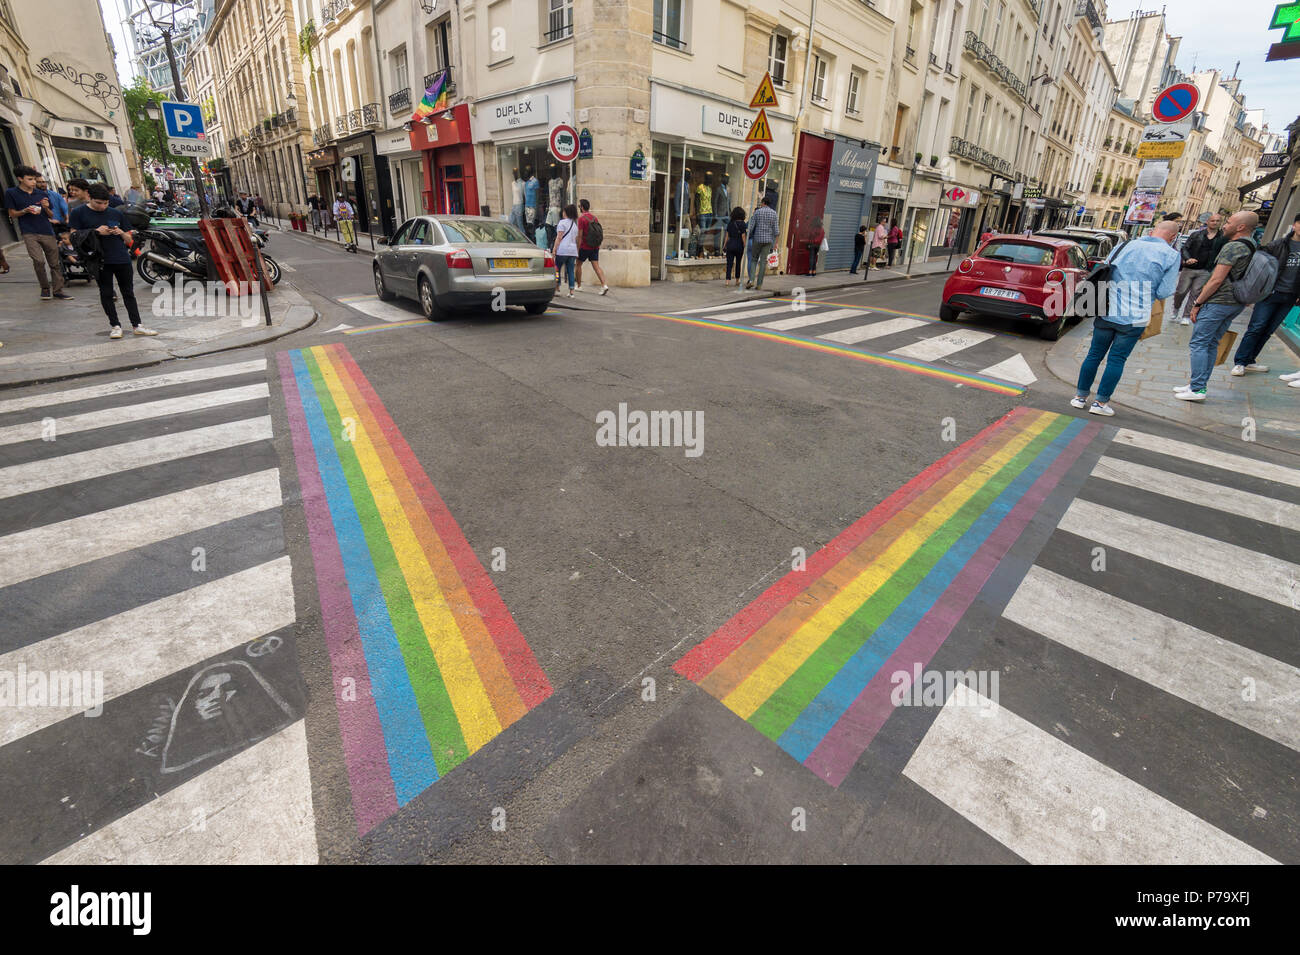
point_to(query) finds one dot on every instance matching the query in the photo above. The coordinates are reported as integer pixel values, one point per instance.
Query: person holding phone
(29, 207)
(114, 234)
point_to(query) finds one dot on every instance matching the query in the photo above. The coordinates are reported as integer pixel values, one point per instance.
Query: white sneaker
(141, 330)
(1294, 376)
(570, 293)
(1077, 402)
(1181, 388)
(1185, 321)
(116, 332)
(604, 290)
(1238, 371)
(1293, 384)
(1190, 395)
(1255, 366)
(1099, 408)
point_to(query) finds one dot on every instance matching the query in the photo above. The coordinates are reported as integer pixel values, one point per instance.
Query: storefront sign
(355, 148)
(584, 144)
(393, 141)
(891, 190)
(853, 169)
(533, 110)
(636, 168)
(1033, 192)
(959, 196)
(723, 121)
(1273, 161)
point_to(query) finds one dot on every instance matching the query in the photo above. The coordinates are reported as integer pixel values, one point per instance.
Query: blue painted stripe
(410, 759)
(808, 729)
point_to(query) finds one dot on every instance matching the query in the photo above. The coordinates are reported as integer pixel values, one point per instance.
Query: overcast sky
(1218, 33)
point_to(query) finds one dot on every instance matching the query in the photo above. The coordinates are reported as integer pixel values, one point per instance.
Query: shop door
(811, 176)
(451, 190)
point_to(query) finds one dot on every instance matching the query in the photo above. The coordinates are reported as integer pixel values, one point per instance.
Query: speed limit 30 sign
(757, 159)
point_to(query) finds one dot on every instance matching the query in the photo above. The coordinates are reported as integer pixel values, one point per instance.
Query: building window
(400, 78)
(559, 19)
(853, 106)
(819, 80)
(670, 23)
(777, 49)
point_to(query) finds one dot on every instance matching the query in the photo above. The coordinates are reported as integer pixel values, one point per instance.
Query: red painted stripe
(524, 670)
(700, 661)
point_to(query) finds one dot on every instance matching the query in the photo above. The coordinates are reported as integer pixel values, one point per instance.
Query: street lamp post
(165, 27)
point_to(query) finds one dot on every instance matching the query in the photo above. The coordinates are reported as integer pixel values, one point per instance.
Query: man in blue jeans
(1272, 310)
(1145, 270)
(1215, 306)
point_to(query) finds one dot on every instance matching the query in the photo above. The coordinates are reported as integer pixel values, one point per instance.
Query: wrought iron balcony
(371, 115)
(909, 56)
(451, 80)
(400, 101)
(333, 9)
(983, 52)
(934, 60)
(1210, 156)
(960, 147)
(1085, 8)
(354, 120)
(341, 125)
(321, 136)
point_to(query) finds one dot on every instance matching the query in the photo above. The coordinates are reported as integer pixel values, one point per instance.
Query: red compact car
(1031, 278)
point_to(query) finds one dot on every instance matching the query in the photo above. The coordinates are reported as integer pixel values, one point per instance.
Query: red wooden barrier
(230, 246)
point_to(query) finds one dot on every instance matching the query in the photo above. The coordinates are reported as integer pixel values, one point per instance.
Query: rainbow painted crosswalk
(808, 663)
(428, 664)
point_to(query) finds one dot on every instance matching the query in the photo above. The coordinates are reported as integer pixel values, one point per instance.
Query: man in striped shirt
(762, 235)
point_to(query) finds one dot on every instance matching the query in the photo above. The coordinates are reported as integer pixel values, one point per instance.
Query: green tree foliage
(137, 97)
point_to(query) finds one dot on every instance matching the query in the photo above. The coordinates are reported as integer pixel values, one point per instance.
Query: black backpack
(595, 234)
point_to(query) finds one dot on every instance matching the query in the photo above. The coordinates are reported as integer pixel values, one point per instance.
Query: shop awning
(1252, 186)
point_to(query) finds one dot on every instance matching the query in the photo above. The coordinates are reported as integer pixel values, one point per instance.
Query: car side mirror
(381, 241)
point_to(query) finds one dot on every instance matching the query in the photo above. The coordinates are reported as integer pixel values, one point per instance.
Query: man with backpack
(1240, 277)
(590, 236)
(1269, 312)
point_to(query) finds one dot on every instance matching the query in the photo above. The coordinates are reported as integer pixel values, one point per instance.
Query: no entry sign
(1175, 102)
(564, 142)
(757, 159)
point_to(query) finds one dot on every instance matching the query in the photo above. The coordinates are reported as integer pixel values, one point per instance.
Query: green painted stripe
(783, 707)
(440, 724)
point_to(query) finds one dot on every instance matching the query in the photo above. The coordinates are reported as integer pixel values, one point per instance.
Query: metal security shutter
(844, 217)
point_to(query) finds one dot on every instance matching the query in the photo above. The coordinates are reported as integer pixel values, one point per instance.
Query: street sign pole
(204, 211)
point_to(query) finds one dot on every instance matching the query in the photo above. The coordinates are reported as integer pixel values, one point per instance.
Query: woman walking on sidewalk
(565, 247)
(735, 247)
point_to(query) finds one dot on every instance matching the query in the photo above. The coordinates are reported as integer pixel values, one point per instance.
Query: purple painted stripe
(373, 795)
(848, 739)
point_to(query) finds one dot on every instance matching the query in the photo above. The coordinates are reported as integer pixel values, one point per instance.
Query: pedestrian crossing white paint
(1223, 563)
(131, 384)
(1218, 459)
(254, 808)
(1051, 804)
(1180, 659)
(814, 318)
(84, 465)
(716, 308)
(146, 643)
(384, 311)
(1014, 369)
(767, 311)
(1217, 496)
(43, 550)
(932, 349)
(35, 430)
(862, 333)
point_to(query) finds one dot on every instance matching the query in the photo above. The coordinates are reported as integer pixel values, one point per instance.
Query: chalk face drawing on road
(95, 85)
(809, 662)
(428, 664)
(225, 707)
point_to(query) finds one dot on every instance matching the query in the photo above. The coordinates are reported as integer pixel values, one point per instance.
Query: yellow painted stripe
(469, 698)
(767, 678)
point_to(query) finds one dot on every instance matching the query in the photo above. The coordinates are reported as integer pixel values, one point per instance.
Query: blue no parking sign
(183, 120)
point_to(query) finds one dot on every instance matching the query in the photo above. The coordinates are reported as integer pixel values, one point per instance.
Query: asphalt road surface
(412, 591)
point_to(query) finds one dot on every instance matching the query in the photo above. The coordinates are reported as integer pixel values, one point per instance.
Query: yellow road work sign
(766, 95)
(761, 131)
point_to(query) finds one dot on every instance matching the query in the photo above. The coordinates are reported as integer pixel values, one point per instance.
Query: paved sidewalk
(1160, 364)
(49, 341)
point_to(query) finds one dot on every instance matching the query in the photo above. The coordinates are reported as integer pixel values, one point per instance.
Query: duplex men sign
(531, 110)
(184, 125)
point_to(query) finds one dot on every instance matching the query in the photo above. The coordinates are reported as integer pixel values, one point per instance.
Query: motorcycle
(173, 252)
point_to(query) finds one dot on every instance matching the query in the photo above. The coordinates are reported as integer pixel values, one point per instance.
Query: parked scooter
(172, 252)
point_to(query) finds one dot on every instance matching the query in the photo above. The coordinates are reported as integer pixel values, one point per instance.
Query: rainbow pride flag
(809, 662)
(428, 664)
(434, 99)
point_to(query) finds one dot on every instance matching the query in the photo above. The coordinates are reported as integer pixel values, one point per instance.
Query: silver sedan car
(450, 262)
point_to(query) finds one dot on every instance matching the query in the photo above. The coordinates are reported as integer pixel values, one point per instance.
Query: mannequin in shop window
(516, 200)
(554, 201)
(532, 190)
(704, 213)
(721, 203)
(682, 201)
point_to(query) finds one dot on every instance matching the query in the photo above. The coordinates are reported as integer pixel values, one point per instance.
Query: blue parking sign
(183, 120)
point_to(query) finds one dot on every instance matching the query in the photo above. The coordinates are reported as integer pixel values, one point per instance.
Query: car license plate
(509, 263)
(1000, 292)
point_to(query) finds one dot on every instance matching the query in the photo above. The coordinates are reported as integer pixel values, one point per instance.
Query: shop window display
(537, 187)
(79, 164)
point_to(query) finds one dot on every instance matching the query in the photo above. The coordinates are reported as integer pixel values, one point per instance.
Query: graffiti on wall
(94, 85)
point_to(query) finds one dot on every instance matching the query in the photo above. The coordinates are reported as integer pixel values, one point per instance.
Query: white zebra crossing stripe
(133, 648)
(716, 308)
(35, 430)
(131, 384)
(1218, 459)
(1189, 663)
(767, 311)
(862, 333)
(1040, 797)
(255, 807)
(816, 318)
(932, 349)
(1227, 564)
(1183, 488)
(1014, 369)
(384, 311)
(84, 465)
(43, 550)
